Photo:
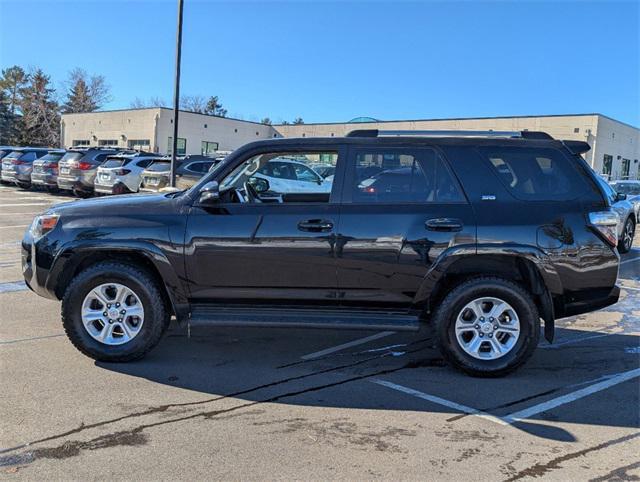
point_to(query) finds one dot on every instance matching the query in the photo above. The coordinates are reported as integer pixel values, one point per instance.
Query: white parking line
(359, 341)
(25, 204)
(572, 397)
(630, 288)
(20, 214)
(14, 226)
(629, 260)
(441, 401)
(13, 286)
(575, 340)
(521, 415)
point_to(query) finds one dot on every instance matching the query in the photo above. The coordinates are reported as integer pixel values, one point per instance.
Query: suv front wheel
(114, 312)
(487, 326)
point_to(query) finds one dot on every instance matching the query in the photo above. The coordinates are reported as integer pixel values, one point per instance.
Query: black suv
(479, 235)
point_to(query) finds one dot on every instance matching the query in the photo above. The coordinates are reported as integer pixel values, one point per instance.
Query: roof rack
(449, 133)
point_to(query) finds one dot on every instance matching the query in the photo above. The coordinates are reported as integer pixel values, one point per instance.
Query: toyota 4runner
(480, 235)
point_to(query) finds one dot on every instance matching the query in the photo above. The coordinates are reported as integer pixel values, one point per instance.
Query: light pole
(176, 96)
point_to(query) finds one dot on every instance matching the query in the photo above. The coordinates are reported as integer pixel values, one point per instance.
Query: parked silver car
(17, 165)
(45, 171)
(628, 219)
(78, 167)
(632, 190)
(122, 173)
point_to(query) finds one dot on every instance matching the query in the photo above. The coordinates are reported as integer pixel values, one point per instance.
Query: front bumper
(37, 262)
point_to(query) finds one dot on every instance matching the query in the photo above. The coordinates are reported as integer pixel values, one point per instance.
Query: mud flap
(547, 316)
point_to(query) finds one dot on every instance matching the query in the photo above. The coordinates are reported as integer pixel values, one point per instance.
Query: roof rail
(449, 133)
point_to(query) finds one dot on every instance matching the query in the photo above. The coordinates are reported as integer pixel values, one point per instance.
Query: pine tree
(12, 81)
(214, 107)
(266, 121)
(40, 112)
(85, 94)
(8, 122)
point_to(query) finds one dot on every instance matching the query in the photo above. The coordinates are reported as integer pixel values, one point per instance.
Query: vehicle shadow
(265, 366)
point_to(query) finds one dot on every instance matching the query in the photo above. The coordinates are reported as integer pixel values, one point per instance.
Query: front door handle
(315, 225)
(443, 224)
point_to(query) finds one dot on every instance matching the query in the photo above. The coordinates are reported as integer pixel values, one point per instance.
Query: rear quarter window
(536, 174)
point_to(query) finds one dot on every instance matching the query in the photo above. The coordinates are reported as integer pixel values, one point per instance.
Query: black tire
(23, 185)
(156, 315)
(624, 246)
(446, 314)
(81, 194)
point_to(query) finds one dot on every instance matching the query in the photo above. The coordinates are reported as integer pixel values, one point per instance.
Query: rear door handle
(315, 225)
(444, 224)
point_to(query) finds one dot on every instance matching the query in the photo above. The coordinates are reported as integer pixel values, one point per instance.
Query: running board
(215, 315)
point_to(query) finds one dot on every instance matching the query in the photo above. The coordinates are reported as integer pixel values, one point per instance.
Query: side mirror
(210, 193)
(620, 196)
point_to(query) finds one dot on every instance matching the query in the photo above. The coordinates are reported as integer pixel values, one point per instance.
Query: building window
(80, 142)
(139, 144)
(182, 146)
(576, 130)
(108, 142)
(209, 148)
(205, 126)
(607, 163)
(235, 130)
(626, 163)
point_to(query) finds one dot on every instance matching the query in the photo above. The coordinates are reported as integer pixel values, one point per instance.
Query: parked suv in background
(157, 175)
(17, 165)
(45, 170)
(78, 167)
(479, 235)
(192, 168)
(626, 212)
(122, 173)
(631, 189)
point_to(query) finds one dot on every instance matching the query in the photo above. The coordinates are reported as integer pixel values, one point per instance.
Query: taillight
(606, 223)
(18, 162)
(83, 165)
(122, 172)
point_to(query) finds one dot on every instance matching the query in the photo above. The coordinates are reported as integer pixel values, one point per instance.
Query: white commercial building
(615, 146)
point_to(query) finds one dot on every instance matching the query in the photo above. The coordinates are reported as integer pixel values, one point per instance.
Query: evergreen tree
(266, 121)
(40, 112)
(298, 120)
(214, 107)
(12, 81)
(8, 121)
(85, 94)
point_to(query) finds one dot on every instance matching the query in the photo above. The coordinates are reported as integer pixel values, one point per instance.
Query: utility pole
(176, 96)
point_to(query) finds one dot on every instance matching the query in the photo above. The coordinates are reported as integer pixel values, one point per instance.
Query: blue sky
(329, 61)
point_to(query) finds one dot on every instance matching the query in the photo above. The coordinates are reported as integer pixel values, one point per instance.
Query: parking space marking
(630, 260)
(12, 286)
(14, 226)
(572, 397)
(349, 344)
(21, 214)
(441, 401)
(26, 204)
(20, 340)
(575, 340)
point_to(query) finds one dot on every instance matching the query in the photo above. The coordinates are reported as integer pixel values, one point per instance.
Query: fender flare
(551, 282)
(72, 254)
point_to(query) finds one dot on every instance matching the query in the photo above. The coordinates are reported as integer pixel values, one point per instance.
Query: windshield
(72, 156)
(632, 188)
(14, 155)
(159, 166)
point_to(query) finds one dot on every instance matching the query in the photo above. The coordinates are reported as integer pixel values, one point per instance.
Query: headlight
(42, 224)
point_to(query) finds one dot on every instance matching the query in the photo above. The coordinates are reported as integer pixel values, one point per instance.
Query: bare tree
(194, 103)
(139, 103)
(40, 111)
(298, 120)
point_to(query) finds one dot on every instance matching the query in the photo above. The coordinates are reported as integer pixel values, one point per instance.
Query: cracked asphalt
(255, 404)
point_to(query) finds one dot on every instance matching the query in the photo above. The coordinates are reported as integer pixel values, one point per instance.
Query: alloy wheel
(487, 328)
(112, 314)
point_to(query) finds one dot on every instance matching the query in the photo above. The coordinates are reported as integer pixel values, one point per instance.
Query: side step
(217, 315)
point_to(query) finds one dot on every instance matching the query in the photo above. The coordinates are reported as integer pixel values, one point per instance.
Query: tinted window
(159, 166)
(394, 176)
(52, 156)
(14, 155)
(144, 162)
(536, 174)
(115, 163)
(631, 188)
(71, 156)
(28, 156)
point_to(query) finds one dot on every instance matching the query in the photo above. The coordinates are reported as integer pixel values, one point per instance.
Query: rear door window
(111, 163)
(536, 174)
(401, 176)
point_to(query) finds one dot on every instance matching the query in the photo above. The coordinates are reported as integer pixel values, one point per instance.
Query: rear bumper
(117, 188)
(600, 300)
(44, 179)
(75, 183)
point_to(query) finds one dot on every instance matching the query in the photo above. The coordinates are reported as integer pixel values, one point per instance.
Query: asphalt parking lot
(309, 404)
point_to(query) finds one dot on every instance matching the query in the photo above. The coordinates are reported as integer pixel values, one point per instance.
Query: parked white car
(291, 176)
(625, 210)
(632, 191)
(121, 174)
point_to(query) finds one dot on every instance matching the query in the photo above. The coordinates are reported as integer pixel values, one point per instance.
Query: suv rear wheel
(487, 326)
(628, 232)
(114, 312)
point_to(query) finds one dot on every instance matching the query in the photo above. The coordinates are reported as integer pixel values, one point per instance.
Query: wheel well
(133, 258)
(513, 268)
